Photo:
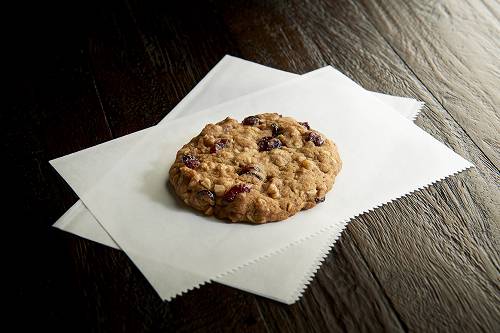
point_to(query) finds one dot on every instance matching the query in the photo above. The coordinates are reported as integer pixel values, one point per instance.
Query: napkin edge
(308, 278)
(318, 261)
(185, 291)
(418, 110)
(325, 250)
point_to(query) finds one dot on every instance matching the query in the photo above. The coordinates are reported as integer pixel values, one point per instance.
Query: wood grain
(50, 109)
(147, 58)
(453, 50)
(345, 296)
(428, 262)
(381, 69)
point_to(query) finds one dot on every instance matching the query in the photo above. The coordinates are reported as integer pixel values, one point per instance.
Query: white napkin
(221, 263)
(282, 276)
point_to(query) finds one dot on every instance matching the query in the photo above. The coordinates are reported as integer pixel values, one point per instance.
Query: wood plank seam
(261, 315)
(98, 95)
(389, 301)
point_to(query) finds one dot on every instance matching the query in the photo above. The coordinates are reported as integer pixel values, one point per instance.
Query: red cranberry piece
(268, 143)
(318, 200)
(190, 161)
(218, 145)
(306, 125)
(315, 138)
(276, 129)
(251, 121)
(251, 170)
(208, 195)
(231, 194)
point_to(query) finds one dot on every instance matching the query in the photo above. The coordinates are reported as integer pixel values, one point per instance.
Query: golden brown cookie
(266, 168)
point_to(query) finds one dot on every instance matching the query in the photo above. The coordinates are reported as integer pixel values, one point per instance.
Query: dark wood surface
(81, 73)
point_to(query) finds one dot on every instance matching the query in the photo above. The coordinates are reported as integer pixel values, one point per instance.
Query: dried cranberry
(218, 145)
(251, 120)
(276, 129)
(252, 170)
(190, 161)
(231, 194)
(318, 200)
(315, 138)
(306, 125)
(209, 195)
(268, 143)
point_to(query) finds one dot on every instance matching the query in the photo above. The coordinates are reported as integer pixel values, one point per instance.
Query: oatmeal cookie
(266, 168)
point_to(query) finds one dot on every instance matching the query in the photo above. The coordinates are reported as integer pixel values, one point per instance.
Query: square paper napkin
(380, 150)
(282, 276)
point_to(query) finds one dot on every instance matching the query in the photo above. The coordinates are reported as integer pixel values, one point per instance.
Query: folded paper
(282, 276)
(351, 116)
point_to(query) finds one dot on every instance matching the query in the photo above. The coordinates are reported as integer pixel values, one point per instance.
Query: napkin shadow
(157, 188)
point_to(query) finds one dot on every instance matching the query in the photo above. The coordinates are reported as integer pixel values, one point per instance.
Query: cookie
(263, 169)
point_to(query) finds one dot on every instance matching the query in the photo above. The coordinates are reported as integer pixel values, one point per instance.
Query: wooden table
(82, 73)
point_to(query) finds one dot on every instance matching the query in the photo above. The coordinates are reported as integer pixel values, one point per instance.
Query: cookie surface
(266, 168)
